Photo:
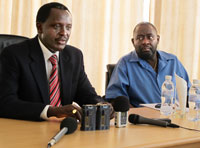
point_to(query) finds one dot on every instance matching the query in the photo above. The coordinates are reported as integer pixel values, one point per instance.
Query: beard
(146, 55)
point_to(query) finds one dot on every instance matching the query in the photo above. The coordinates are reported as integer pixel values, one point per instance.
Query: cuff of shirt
(43, 114)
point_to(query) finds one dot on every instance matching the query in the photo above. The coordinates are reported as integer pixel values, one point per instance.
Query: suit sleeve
(13, 106)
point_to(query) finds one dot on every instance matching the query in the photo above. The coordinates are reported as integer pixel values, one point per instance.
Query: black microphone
(121, 107)
(137, 119)
(67, 126)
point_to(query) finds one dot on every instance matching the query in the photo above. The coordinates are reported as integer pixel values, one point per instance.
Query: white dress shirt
(47, 54)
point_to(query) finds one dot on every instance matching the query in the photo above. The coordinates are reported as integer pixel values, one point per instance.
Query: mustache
(146, 46)
(63, 38)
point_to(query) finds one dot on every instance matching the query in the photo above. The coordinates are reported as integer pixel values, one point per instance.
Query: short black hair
(145, 23)
(44, 11)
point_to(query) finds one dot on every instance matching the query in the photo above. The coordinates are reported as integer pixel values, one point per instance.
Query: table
(29, 134)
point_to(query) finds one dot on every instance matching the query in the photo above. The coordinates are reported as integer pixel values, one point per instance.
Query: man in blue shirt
(139, 75)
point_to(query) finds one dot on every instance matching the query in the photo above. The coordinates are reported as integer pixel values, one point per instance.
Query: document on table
(156, 106)
(152, 105)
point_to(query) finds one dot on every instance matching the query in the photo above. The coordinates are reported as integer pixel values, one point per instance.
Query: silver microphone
(67, 126)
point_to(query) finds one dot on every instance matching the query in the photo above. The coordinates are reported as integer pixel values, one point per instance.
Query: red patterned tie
(54, 84)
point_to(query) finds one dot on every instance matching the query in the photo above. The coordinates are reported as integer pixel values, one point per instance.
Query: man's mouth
(62, 41)
(146, 49)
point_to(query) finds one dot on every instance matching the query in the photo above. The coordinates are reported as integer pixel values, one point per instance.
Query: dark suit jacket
(24, 85)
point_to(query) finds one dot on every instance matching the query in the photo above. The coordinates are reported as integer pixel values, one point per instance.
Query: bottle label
(168, 93)
(167, 96)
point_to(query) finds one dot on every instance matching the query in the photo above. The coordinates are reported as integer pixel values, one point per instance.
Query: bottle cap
(168, 77)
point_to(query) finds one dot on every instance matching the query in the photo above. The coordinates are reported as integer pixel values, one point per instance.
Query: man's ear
(132, 40)
(39, 27)
(158, 38)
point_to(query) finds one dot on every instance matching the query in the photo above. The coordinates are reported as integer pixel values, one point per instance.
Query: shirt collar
(47, 54)
(162, 56)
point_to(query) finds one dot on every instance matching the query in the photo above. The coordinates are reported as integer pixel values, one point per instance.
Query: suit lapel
(38, 69)
(66, 77)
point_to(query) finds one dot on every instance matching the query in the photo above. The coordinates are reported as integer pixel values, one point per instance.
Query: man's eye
(151, 38)
(140, 38)
(68, 27)
(57, 26)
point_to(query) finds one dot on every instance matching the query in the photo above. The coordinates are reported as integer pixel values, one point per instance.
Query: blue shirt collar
(162, 56)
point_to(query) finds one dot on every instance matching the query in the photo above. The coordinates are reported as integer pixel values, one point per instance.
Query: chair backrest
(110, 68)
(8, 39)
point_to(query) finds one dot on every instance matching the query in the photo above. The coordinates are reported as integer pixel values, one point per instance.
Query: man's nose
(64, 31)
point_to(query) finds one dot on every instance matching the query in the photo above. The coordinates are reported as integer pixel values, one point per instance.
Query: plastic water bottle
(167, 96)
(194, 101)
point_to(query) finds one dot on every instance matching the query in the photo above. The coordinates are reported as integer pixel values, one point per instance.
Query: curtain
(102, 29)
(178, 23)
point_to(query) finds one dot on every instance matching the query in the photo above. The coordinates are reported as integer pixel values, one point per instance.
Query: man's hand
(69, 110)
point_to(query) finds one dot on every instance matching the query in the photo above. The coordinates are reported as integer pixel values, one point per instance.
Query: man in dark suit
(26, 69)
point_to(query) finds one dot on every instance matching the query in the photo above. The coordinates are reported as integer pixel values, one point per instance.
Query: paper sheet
(152, 105)
(181, 91)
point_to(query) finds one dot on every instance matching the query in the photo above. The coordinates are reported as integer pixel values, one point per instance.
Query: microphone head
(70, 123)
(133, 118)
(121, 104)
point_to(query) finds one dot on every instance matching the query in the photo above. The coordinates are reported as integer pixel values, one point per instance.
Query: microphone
(121, 107)
(67, 126)
(137, 119)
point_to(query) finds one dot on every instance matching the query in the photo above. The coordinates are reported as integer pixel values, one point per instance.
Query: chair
(8, 39)
(110, 68)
